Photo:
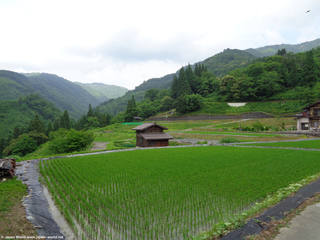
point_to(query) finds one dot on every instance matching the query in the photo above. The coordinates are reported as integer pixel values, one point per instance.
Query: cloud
(126, 42)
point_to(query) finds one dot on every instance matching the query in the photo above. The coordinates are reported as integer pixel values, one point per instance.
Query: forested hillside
(13, 85)
(19, 113)
(222, 63)
(62, 93)
(284, 76)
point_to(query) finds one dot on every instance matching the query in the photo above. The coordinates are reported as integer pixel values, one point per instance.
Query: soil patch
(99, 146)
(14, 223)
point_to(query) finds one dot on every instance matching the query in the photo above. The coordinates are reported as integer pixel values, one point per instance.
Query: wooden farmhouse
(151, 135)
(309, 119)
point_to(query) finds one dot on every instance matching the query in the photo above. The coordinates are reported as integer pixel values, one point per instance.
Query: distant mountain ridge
(229, 59)
(64, 94)
(272, 49)
(103, 92)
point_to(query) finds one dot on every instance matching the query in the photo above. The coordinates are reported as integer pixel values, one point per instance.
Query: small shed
(151, 135)
(136, 119)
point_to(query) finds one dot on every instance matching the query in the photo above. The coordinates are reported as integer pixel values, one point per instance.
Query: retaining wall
(252, 115)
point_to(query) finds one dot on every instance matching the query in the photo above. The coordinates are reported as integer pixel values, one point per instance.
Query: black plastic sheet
(279, 211)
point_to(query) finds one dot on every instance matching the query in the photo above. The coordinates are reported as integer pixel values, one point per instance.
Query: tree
(257, 126)
(62, 122)
(3, 145)
(63, 141)
(90, 111)
(183, 84)
(105, 120)
(309, 70)
(93, 122)
(293, 79)
(36, 125)
(16, 132)
(147, 108)
(174, 87)
(180, 104)
(66, 120)
(197, 71)
(151, 94)
(24, 146)
(226, 83)
(283, 75)
(56, 124)
(193, 102)
(191, 79)
(166, 103)
(49, 129)
(132, 110)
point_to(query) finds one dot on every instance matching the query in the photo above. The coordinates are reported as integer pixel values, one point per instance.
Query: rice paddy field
(312, 144)
(169, 193)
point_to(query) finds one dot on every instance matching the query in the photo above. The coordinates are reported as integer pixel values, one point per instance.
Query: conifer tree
(184, 87)
(191, 79)
(197, 71)
(16, 132)
(49, 129)
(62, 122)
(56, 124)
(36, 125)
(67, 120)
(174, 87)
(90, 111)
(132, 110)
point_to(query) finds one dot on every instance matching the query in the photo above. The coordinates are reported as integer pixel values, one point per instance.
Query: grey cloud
(129, 46)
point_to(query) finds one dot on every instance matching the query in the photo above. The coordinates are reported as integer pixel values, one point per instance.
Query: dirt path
(99, 146)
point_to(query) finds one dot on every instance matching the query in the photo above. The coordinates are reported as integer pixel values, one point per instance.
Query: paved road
(305, 226)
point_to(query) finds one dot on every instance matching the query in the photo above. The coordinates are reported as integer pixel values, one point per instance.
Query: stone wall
(252, 115)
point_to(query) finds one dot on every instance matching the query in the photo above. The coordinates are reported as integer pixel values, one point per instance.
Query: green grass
(11, 192)
(315, 144)
(170, 193)
(275, 108)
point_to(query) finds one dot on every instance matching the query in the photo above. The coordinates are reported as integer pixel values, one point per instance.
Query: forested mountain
(222, 63)
(62, 93)
(13, 85)
(295, 48)
(102, 91)
(231, 61)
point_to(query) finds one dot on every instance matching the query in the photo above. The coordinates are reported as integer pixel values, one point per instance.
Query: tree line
(25, 140)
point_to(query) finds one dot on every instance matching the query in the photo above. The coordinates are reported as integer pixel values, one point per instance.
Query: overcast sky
(125, 42)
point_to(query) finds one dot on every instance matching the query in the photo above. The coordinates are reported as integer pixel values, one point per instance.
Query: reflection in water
(57, 216)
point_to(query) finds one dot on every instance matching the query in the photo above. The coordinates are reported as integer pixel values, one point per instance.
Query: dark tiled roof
(147, 125)
(157, 136)
(311, 105)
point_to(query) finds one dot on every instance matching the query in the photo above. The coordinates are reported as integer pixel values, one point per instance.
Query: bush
(21, 146)
(63, 141)
(257, 126)
(228, 140)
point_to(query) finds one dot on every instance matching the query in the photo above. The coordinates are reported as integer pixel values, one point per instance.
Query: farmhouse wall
(252, 115)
